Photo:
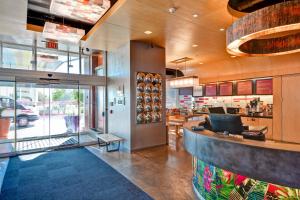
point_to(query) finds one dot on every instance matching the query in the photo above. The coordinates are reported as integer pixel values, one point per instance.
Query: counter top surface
(271, 144)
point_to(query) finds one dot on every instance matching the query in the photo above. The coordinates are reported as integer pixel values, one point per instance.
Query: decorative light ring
(273, 30)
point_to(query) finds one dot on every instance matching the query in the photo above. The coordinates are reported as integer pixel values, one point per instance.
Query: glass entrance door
(40, 114)
(64, 114)
(46, 114)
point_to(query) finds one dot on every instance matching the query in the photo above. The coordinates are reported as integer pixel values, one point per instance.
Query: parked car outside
(24, 114)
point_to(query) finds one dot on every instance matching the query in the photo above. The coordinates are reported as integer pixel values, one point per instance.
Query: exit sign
(52, 44)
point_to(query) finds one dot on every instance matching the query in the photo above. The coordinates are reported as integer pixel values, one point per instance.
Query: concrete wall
(122, 66)
(118, 73)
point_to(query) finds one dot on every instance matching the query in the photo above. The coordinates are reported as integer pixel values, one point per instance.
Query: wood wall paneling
(277, 110)
(147, 58)
(291, 108)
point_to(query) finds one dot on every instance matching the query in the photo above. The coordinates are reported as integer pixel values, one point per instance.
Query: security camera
(86, 51)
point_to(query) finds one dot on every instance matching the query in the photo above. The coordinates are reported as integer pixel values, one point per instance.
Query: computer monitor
(226, 122)
(218, 110)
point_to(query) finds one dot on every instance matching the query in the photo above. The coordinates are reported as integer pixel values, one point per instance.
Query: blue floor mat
(66, 174)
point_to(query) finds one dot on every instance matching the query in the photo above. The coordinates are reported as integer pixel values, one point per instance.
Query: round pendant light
(273, 30)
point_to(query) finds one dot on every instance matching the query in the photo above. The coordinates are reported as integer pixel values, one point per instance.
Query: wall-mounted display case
(148, 98)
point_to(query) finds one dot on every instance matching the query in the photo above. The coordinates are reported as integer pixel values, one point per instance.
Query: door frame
(17, 75)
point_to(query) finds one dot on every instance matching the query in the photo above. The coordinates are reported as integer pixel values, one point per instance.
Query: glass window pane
(7, 115)
(74, 64)
(85, 65)
(17, 57)
(52, 61)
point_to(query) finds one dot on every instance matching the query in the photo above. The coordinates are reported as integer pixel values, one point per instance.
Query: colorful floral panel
(213, 183)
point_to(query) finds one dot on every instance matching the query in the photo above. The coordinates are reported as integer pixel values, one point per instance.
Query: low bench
(108, 139)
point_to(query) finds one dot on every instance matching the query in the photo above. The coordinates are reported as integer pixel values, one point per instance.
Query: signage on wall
(211, 90)
(264, 86)
(226, 89)
(51, 44)
(244, 88)
(186, 91)
(198, 91)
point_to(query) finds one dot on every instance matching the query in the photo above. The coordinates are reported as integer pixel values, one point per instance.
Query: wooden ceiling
(176, 32)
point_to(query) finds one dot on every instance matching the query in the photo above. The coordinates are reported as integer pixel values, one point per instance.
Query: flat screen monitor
(264, 86)
(217, 110)
(211, 90)
(226, 89)
(244, 88)
(186, 91)
(226, 122)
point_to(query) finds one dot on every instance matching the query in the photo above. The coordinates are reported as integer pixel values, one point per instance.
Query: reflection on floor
(45, 143)
(164, 172)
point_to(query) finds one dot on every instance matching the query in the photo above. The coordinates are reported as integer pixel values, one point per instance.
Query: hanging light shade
(185, 81)
(269, 31)
(89, 11)
(62, 33)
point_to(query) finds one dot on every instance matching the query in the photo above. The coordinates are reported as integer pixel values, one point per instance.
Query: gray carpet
(66, 174)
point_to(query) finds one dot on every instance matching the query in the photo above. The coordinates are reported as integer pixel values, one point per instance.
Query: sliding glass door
(37, 114)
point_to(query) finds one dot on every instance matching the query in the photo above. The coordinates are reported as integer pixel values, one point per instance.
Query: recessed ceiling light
(172, 10)
(200, 63)
(148, 32)
(232, 56)
(222, 29)
(194, 45)
(195, 15)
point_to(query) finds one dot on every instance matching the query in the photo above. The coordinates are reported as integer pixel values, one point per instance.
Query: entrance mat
(66, 174)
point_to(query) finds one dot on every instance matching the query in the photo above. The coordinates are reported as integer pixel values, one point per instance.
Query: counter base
(210, 182)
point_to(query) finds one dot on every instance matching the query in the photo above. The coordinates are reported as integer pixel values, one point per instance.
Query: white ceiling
(13, 14)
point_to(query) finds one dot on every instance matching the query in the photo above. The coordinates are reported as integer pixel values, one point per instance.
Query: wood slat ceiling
(176, 32)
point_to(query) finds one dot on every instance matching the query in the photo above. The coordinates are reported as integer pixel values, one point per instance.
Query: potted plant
(71, 119)
(4, 125)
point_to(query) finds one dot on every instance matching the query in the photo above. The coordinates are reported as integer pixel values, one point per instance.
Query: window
(17, 57)
(74, 64)
(52, 61)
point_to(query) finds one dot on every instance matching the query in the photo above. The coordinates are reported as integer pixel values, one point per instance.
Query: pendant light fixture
(184, 81)
(88, 11)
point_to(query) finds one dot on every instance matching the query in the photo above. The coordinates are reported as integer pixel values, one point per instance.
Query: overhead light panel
(195, 15)
(182, 82)
(89, 11)
(62, 33)
(195, 45)
(181, 60)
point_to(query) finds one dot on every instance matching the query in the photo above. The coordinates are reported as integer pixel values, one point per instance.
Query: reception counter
(234, 168)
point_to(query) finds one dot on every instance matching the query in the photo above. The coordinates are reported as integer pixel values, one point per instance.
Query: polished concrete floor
(164, 172)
